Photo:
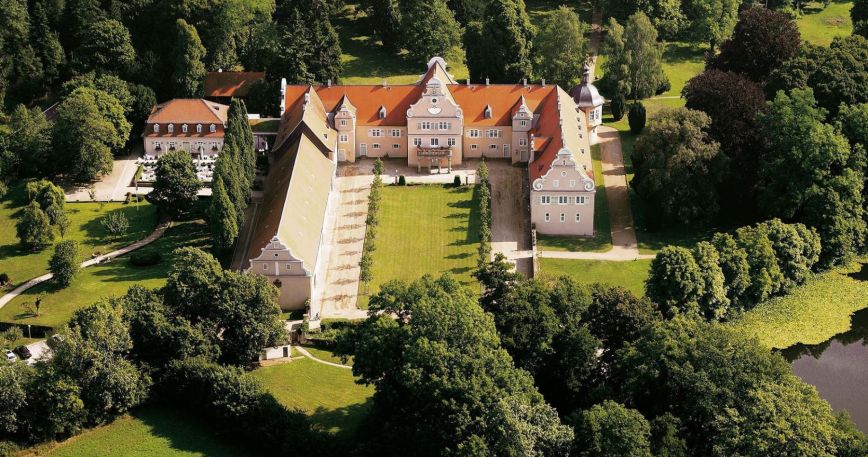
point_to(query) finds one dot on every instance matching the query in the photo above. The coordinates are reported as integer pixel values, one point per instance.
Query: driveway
(510, 214)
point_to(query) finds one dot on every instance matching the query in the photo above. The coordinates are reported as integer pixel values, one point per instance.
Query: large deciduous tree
(64, 263)
(859, 16)
(106, 46)
(808, 173)
(560, 47)
(189, 70)
(711, 21)
(612, 430)
(762, 41)
(30, 143)
(675, 282)
(678, 168)
(441, 35)
(176, 183)
(634, 63)
(499, 47)
(34, 228)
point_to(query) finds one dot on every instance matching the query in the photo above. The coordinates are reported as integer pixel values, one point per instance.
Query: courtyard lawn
(602, 241)
(820, 25)
(366, 61)
(630, 275)
(22, 264)
(154, 431)
(425, 229)
(812, 313)
(329, 395)
(108, 279)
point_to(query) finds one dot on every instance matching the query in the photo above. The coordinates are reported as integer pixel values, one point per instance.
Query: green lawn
(329, 395)
(365, 59)
(107, 279)
(811, 314)
(147, 432)
(425, 229)
(630, 275)
(681, 61)
(325, 354)
(820, 25)
(23, 264)
(539, 9)
(602, 241)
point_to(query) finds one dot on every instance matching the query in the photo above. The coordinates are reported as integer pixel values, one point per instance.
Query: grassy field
(23, 264)
(329, 395)
(811, 314)
(107, 279)
(602, 241)
(366, 61)
(148, 432)
(820, 25)
(425, 229)
(681, 61)
(539, 9)
(630, 275)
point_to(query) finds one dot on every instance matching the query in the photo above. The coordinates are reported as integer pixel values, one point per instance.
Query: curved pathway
(331, 364)
(156, 234)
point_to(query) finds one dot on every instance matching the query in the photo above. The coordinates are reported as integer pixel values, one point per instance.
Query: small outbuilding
(276, 352)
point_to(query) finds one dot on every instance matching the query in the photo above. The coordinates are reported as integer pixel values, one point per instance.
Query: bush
(116, 223)
(636, 117)
(34, 228)
(664, 86)
(4, 189)
(402, 181)
(145, 258)
(4, 279)
(456, 181)
(618, 106)
(64, 264)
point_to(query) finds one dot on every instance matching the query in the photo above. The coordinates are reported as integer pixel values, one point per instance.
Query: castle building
(194, 125)
(435, 123)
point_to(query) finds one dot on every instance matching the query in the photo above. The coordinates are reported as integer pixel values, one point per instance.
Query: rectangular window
(578, 217)
(289, 267)
(563, 200)
(435, 141)
(493, 147)
(343, 122)
(580, 199)
(425, 125)
(547, 217)
(563, 217)
(473, 133)
(264, 266)
(474, 146)
(493, 133)
(376, 145)
(343, 138)
(522, 141)
(523, 123)
(450, 141)
(443, 126)
(417, 141)
(396, 146)
(376, 133)
(396, 133)
(545, 199)
(556, 183)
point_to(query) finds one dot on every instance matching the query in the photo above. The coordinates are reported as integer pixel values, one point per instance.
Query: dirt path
(331, 364)
(156, 234)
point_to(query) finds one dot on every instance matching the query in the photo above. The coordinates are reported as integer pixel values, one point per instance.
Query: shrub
(116, 223)
(618, 106)
(146, 258)
(456, 181)
(378, 167)
(64, 264)
(4, 189)
(34, 228)
(402, 181)
(4, 279)
(636, 117)
(664, 86)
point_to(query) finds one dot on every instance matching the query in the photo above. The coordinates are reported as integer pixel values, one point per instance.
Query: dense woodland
(771, 148)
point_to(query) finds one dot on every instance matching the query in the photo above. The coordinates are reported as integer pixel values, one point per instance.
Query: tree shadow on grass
(343, 421)
(187, 432)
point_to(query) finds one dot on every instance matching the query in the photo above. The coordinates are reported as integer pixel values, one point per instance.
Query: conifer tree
(189, 71)
(223, 219)
(239, 133)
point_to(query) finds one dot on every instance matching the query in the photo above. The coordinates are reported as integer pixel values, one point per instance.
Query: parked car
(10, 356)
(23, 352)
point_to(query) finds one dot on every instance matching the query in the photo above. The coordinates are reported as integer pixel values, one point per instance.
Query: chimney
(468, 81)
(524, 82)
(219, 70)
(385, 83)
(486, 81)
(543, 82)
(329, 82)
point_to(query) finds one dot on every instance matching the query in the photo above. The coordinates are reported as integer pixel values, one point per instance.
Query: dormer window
(171, 128)
(198, 128)
(213, 128)
(184, 128)
(488, 111)
(382, 113)
(156, 128)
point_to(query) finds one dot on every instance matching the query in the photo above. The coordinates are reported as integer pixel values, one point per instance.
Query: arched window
(213, 128)
(156, 128)
(198, 128)
(184, 128)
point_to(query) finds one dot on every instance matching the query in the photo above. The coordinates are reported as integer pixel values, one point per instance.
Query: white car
(10, 356)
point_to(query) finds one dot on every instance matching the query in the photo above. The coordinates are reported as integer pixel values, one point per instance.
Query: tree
(387, 21)
(34, 228)
(193, 284)
(14, 380)
(47, 44)
(618, 317)
(859, 16)
(106, 46)
(618, 106)
(796, 247)
(677, 169)
(616, 67)
(644, 70)
(189, 71)
(417, 363)
(636, 117)
(762, 41)
(499, 47)
(239, 132)
(222, 218)
(176, 184)
(306, 47)
(713, 303)
(50, 197)
(809, 172)
(29, 143)
(65, 262)
(440, 37)
(675, 282)
(559, 46)
(108, 83)
(90, 125)
(735, 267)
(666, 15)
(765, 273)
(711, 21)
(612, 430)
(249, 318)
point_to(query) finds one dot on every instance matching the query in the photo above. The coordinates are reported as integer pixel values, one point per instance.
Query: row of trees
(483, 200)
(111, 353)
(733, 273)
(233, 178)
(550, 368)
(372, 220)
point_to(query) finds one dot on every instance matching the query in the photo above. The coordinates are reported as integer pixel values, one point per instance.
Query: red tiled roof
(231, 83)
(368, 99)
(189, 111)
(501, 97)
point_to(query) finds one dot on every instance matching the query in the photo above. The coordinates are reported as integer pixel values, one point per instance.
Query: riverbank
(813, 313)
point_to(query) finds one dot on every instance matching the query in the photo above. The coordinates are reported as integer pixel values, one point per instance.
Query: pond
(838, 368)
